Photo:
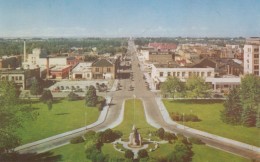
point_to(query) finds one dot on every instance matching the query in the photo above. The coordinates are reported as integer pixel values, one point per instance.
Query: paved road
(152, 110)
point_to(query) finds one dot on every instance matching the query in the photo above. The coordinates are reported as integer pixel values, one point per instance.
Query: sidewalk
(168, 120)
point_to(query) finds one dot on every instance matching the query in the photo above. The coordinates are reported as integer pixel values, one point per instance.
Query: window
(174, 74)
(249, 50)
(20, 78)
(209, 73)
(161, 74)
(255, 61)
(108, 70)
(202, 74)
(169, 74)
(256, 72)
(182, 74)
(178, 74)
(87, 75)
(256, 55)
(256, 50)
(256, 67)
(97, 69)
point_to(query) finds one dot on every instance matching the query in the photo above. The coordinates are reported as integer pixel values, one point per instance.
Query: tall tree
(173, 86)
(249, 117)
(10, 115)
(197, 87)
(91, 96)
(250, 91)
(36, 87)
(232, 108)
(47, 98)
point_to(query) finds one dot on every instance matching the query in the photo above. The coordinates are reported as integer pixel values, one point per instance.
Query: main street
(152, 110)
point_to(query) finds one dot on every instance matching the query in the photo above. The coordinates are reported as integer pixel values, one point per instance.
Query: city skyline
(188, 18)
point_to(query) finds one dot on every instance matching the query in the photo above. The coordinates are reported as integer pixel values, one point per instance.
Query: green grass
(211, 122)
(64, 116)
(72, 153)
(110, 150)
(134, 116)
(202, 153)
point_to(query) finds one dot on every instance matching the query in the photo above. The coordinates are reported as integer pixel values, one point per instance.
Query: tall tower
(24, 51)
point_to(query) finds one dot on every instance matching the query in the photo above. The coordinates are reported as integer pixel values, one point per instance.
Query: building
(104, 69)
(22, 78)
(60, 72)
(160, 73)
(163, 47)
(82, 71)
(10, 62)
(251, 56)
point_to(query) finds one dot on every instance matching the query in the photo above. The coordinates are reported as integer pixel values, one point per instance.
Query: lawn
(134, 115)
(109, 149)
(64, 116)
(211, 122)
(202, 153)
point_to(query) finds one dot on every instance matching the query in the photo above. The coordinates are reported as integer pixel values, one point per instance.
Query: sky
(129, 18)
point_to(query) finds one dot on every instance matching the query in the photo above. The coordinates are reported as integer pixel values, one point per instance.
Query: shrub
(76, 140)
(142, 154)
(160, 133)
(101, 102)
(169, 136)
(129, 154)
(196, 141)
(187, 117)
(72, 96)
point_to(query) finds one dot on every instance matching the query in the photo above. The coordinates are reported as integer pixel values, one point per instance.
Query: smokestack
(24, 51)
(47, 67)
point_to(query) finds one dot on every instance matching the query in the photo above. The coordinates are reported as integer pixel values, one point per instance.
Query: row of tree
(194, 87)
(242, 104)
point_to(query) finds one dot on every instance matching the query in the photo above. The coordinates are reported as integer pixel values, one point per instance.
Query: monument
(135, 138)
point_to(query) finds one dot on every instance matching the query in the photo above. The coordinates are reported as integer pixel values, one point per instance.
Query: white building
(82, 71)
(159, 74)
(38, 59)
(251, 56)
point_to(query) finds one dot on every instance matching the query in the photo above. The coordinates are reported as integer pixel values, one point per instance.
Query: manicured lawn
(71, 153)
(211, 122)
(64, 116)
(134, 116)
(202, 153)
(208, 154)
(108, 148)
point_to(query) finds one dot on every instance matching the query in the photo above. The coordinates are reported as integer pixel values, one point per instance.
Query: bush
(187, 117)
(72, 96)
(90, 135)
(101, 102)
(196, 141)
(160, 133)
(76, 140)
(142, 154)
(169, 136)
(129, 154)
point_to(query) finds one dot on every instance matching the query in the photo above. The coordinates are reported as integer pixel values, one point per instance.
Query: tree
(250, 91)
(232, 108)
(91, 96)
(249, 117)
(10, 115)
(196, 87)
(47, 98)
(173, 86)
(129, 154)
(181, 153)
(36, 87)
(258, 119)
(142, 154)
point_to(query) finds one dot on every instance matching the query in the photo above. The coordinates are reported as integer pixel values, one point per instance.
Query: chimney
(47, 67)
(24, 51)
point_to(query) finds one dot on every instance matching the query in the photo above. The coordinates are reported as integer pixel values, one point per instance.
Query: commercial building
(60, 72)
(104, 69)
(251, 56)
(82, 71)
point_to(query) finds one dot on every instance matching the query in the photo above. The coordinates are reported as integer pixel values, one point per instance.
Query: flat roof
(82, 66)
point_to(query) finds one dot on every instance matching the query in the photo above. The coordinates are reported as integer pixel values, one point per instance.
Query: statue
(135, 138)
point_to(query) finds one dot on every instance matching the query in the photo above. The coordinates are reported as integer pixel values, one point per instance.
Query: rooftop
(82, 66)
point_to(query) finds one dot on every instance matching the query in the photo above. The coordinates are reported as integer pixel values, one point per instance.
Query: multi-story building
(103, 69)
(251, 56)
(22, 78)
